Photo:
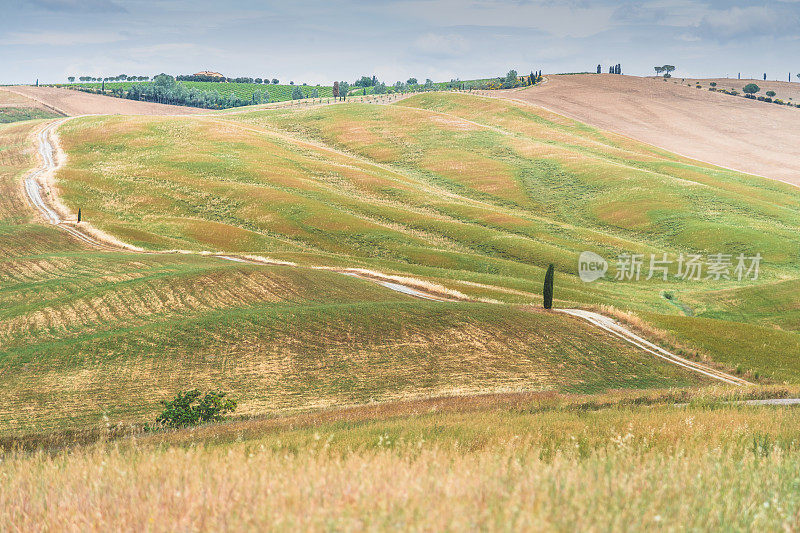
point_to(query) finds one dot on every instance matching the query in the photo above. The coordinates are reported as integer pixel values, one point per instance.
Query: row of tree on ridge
(167, 89)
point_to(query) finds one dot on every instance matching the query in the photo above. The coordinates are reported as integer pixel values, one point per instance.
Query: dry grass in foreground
(701, 466)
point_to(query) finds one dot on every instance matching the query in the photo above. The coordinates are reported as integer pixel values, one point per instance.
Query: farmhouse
(208, 73)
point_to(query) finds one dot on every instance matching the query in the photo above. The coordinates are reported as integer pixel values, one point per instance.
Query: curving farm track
(49, 164)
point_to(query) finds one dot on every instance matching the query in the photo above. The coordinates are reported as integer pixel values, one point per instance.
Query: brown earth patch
(71, 102)
(749, 136)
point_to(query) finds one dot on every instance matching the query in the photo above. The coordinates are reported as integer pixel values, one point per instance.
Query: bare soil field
(749, 136)
(784, 90)
(69, 102)
(10, 99)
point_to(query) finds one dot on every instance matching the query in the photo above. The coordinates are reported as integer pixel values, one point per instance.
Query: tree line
(612, 69)
(119, 77)
(166, 89)
(223, 79)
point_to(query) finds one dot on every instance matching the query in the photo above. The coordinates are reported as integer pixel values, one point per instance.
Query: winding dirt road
(49, 164)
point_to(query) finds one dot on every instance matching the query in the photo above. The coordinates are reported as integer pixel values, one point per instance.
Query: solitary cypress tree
(599, 69)
(548, 288)
(79, 214)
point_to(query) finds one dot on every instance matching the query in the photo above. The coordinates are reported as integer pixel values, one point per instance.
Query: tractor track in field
(49, 165)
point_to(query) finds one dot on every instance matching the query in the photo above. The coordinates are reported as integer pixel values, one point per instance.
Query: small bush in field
(770, 93)
(713, 84)
(751, 88)
(189, 409)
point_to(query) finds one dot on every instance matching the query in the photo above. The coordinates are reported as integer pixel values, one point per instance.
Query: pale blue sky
(317, 42)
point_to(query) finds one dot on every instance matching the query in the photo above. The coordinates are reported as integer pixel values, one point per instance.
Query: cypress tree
(547, 292)
(79, 214)
(599, 69)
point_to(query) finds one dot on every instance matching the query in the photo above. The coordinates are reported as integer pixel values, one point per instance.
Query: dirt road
(728, 131)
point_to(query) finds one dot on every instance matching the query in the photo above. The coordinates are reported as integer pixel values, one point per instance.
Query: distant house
(209, 74)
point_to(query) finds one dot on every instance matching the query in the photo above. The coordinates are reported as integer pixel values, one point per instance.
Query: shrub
(713, 84)
(188, 409)
(779, 101)
(751, 88)
(770, 93)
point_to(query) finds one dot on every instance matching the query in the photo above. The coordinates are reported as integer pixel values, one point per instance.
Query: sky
(317, 42)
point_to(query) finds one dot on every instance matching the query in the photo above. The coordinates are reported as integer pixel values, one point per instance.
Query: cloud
(640, 14)
(778, 20)
(438, 45)
(55, 38)
(78, 6)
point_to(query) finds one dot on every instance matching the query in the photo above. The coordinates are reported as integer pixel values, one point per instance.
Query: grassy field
(521, 462)
(16, 114)
(363, 408)
(476, 194)
(88, 335)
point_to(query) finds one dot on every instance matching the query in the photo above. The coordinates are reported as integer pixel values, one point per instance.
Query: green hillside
(90, 335)
(468, 195)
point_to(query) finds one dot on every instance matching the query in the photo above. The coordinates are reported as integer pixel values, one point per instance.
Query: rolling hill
(362, 407)
(474, 196)
(72, 103)
(750, 136)
(88, 334)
